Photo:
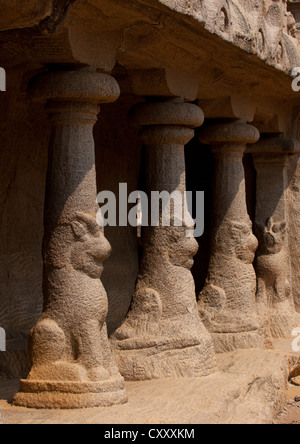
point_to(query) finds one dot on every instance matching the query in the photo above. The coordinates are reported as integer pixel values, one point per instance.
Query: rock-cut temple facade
(160, 95)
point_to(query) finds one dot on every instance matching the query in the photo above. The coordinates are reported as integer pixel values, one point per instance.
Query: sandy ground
(291, 413)
(248, 388)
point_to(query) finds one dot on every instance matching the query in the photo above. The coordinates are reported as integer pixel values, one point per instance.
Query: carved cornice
(233, 51)
(261, 27)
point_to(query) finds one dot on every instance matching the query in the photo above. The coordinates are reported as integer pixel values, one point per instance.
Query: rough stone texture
(262, 27)
(163, 335)
(249, 387)
(235, 57)
(273, 266)
(294, 9)
(71, 360)
(227, 303)
(23, 164)
(2, 420)
(25, 136)
(294, 227)
(290, 414)
(15, 14)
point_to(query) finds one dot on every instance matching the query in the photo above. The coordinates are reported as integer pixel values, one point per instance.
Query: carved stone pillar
(72, 366)
(163, 335)
(227, 303)
(274, 296)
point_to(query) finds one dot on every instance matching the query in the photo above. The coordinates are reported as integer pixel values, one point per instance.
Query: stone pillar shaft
(71, 178)
(163, 335)
(72, 366)
(273, 266)
(227, 303)
(165, 168)
(271, 181)
(230, 198)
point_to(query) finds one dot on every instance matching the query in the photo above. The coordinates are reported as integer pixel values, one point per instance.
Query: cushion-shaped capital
(275, 145)
(229, 133)
(74, 86)
(167, 113)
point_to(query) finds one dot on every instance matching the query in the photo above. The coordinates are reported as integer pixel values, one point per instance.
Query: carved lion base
(231, 330)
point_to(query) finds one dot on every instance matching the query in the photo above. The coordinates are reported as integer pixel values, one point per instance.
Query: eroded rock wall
(23, 163)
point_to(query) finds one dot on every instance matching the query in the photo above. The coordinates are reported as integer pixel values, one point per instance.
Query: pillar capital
(73, 96)
(229, 137)
(168, 122)
(274, 150)
(79, 85)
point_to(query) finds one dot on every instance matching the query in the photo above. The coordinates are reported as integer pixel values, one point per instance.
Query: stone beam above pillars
(70, 36)
(165, 83)
(272, 156)
(72, 366)
(227, 303)
(163, 335)
(229, 107)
